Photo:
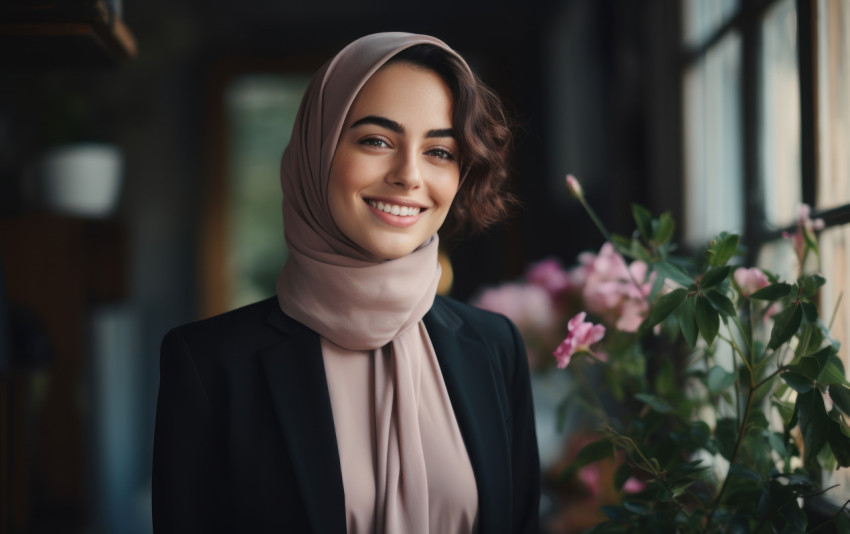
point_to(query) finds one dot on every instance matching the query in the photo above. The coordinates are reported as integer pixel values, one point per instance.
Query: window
(767, 126)
(242, 233)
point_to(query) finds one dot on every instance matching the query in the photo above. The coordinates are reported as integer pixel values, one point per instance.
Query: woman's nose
(406, 171)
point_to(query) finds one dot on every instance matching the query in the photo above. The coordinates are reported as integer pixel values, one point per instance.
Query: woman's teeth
(394, 209)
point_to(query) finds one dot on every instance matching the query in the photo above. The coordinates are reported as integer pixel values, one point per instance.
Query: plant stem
(632, 444)
(768, 378)
(732, 460)
(748, 339)
(835, 310)
(738, 351)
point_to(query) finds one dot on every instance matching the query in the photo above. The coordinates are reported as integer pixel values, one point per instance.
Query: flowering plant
(723, 390)
(714, 390)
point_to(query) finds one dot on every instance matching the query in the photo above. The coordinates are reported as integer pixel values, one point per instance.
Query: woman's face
(395, 171)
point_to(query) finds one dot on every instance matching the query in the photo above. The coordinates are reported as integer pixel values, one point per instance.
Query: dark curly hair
(484, 138)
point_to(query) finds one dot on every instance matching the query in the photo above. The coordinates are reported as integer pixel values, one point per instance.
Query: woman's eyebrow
(442, 132)
(383, 122)
(393, 126)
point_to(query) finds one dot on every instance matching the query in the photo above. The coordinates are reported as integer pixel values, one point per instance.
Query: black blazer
(245, 440)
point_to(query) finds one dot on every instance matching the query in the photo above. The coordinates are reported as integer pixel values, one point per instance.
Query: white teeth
(403, 211)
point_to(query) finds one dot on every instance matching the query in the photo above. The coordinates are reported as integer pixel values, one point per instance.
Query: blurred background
(139, 151)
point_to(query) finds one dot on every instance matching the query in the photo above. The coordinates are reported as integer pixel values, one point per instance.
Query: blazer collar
(299, 390)
(466, 364)
(296, 375)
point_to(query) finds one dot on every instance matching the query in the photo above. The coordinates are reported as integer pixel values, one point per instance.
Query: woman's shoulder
(492, 328)
(445, 306)
(243, 327)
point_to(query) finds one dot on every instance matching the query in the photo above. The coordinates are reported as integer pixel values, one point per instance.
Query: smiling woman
(395, 171)
(356, 400)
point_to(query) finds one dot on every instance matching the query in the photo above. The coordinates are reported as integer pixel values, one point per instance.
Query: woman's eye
(374, 141)
(441, 153)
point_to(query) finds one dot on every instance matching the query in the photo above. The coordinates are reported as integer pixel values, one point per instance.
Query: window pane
(833, 103)
(702, 17)
(778, 257)
(780, 115)
(260, 111)
(713, 183)
(835, 258)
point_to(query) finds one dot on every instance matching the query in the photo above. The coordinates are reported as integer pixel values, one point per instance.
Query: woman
(356, 401)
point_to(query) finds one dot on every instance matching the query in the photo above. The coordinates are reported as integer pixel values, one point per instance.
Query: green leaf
(673, 271)
(833, 370)
(643, 220)
(714, 277)
(726, 434)
(721, 303)
(724, 251)
(786, 410)
(810, 312)
(839, 443)
(772, 292)
(595, 451)
(636, 507)
(814, 423)
(800, 383)
(708, 321)
(656, 403)
(785, 327)
(665, 379)
(809, 367)
(822, 357)
(777, 443)
(810, 284)
(623, 473)
(815, 337)
(664, 231)
(840, 395)
(664, 306)
(740, 471)
(719, 379)
(622, 244)
(688, 322)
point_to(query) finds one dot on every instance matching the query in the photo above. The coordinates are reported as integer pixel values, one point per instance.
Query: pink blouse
(364, 396)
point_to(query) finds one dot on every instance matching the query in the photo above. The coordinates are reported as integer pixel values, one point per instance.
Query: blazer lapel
(299, 390)
(471, 384)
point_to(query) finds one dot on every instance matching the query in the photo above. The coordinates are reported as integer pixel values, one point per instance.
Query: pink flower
(633, 485)
(750, 280)
(616, 291)
(591, 477)
(549, 275)
(632, 313)
(574, 186)
(805, 219)
(805, 226)
(581, 336)
(529, 306)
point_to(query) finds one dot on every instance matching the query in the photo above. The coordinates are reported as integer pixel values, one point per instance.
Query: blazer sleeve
(525, 460)
(189, 492)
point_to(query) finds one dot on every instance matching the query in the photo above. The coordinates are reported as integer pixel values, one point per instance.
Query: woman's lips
(398, 215)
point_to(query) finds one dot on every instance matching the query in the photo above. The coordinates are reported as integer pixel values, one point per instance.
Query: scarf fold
(352, 299)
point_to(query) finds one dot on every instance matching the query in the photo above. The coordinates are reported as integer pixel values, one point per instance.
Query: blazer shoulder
(493, 329)
(489, 325)
(245, 328)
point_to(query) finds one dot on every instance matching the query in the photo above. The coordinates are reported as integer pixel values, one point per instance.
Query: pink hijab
(356, 301)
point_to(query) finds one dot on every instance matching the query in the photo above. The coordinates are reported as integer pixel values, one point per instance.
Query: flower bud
(574, 186)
